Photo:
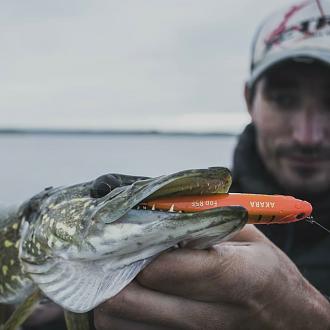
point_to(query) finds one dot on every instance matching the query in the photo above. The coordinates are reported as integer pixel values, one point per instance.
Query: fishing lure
(262, 209)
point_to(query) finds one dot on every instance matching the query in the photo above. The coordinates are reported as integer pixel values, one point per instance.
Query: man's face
(291, 113)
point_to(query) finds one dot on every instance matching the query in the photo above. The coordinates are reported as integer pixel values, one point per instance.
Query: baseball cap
(298, 32)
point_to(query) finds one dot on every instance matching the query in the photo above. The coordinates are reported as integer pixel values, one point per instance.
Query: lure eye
(103, 185)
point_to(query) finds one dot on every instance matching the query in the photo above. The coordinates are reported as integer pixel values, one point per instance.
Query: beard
(300, 170)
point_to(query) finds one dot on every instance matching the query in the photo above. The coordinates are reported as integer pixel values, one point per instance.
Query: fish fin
(79, 286)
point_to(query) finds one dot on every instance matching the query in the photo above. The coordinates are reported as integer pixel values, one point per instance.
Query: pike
(79, 248)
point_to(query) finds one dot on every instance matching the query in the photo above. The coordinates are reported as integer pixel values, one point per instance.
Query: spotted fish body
(81, 250)
(14, 284)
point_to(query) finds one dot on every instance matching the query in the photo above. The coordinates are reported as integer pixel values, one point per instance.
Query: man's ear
(248, 98)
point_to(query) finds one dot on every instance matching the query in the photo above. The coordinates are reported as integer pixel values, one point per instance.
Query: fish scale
(14, 284)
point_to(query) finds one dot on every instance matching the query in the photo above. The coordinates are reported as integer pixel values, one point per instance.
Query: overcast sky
(127, 64)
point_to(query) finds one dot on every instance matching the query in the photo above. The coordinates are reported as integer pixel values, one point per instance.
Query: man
(249, 283)
(287, 149)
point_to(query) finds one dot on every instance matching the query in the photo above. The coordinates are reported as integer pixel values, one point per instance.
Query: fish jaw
(141, 234)
(213, 180)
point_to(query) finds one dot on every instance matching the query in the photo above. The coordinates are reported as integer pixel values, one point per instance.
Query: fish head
(82, 244)
(101, 217)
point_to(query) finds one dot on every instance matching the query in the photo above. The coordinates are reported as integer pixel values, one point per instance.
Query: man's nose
(308, 128)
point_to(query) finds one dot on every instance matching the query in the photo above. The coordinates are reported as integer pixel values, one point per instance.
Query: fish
(82, 244)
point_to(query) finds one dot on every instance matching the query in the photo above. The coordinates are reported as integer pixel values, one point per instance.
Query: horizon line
(83, 131)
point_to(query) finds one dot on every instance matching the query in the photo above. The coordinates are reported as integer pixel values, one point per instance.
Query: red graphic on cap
(275, 35)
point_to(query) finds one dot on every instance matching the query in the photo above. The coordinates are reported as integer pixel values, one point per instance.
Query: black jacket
(306, 244)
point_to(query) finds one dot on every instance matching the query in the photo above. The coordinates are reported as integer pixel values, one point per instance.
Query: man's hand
(245, 283)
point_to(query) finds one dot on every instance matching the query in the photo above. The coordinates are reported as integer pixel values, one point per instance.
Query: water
(29, 163)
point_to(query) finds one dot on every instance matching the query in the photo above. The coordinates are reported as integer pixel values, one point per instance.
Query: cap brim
(293, 54)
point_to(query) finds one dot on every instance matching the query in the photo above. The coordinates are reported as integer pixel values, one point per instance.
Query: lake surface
(29, 163)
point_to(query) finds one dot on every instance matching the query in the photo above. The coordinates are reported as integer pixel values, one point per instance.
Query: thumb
(249, 233)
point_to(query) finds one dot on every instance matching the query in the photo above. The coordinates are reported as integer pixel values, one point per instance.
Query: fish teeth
(153, 207)
(171, 208)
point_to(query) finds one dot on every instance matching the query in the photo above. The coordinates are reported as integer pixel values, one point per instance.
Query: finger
(223, 273)
(142, 306)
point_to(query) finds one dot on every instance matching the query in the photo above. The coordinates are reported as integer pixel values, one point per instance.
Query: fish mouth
(119, 219)
(119, 201)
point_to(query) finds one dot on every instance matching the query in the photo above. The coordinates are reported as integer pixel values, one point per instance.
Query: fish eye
(103, 185)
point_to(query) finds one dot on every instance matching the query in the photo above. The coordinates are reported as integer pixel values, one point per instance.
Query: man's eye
(283, 100)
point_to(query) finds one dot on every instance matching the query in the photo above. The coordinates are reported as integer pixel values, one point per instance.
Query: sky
(170, 65)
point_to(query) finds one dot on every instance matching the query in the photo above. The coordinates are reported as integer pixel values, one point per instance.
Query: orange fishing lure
(262, 209)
